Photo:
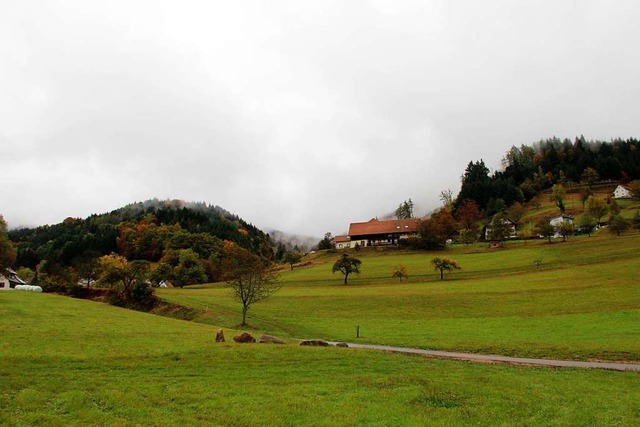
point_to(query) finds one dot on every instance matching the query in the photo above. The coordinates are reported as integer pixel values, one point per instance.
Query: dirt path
(489, 358)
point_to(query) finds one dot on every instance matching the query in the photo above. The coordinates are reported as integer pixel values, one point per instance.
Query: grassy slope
(71, 362)
(583, 303)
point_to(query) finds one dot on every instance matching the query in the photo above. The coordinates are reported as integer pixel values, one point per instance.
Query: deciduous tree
(597, 208)
(251, 279)
(545, 229)
(516, 212)
(115, 270)
(400, 271)
(346, 265)
(618, 224)
(444, 264)
(292, 257)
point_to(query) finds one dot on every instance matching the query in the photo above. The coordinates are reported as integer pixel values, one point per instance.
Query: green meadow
(583, 302)
(66, 362)
(73, 362)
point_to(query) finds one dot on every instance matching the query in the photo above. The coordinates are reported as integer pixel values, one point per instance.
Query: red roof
(391, 226)
(341, 239)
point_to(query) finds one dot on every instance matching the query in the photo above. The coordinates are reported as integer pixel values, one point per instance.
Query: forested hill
(143, 231)
(529, 169)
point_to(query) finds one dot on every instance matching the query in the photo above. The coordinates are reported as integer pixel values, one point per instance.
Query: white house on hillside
(558, 221)
(622, 192)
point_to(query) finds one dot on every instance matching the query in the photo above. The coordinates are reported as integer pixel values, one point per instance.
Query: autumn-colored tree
(597, 208)
(444, 264)
(516, 212)
(116, 270)
(468, 215)
(7, 248)
(250, 278)
(435, 231)
(346, 265)
(565, 229)
(400, 271)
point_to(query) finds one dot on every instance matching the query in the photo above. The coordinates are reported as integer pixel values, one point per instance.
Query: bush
(143, 295)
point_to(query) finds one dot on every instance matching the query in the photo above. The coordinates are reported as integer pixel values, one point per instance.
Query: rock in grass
(271, 339)
(220, 336)
(244, 337)
(315, 343)
(342, 344)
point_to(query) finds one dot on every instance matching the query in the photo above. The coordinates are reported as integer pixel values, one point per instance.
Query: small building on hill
(381, 232)
(622, 192)
(558, 221)
(9, 279)
(509, 225)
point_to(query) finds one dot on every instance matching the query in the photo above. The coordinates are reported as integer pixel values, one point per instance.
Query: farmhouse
(377, 233)
(622, 192)
(508, 224)
(342, 242)
(9, 279)
(558, 221)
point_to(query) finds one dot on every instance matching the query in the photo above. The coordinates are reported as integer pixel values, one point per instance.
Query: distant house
(558, 221)
(511, 226)
(342, 242)
(622, 192)
(9, 279)
(381, 232)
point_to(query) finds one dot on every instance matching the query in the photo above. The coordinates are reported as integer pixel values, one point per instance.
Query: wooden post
(358, 331)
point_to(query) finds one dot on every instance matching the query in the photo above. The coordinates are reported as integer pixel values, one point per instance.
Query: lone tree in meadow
(444, 264)
(292, 257)
(346, 265)
(400, 272)
(250, 277)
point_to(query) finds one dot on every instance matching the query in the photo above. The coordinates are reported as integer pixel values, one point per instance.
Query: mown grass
(72, 362)
(582, 303)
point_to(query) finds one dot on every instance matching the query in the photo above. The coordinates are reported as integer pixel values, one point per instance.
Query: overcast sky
(299, 116)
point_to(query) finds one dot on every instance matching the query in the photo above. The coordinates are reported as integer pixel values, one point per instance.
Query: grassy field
(582, 303)
(73, 362)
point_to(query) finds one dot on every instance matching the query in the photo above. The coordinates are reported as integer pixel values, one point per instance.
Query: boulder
(220, 336)
(244, 338)
(342, 344)
(315, 343)
(271, 339)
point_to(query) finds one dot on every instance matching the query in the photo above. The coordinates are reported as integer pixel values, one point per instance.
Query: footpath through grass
(73, 362)
(582, 303)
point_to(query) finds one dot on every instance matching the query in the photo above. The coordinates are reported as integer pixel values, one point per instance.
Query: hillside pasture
(582, 303)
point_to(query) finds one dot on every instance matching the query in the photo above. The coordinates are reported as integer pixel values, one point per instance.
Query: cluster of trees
(529, 169)
(184, 239)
